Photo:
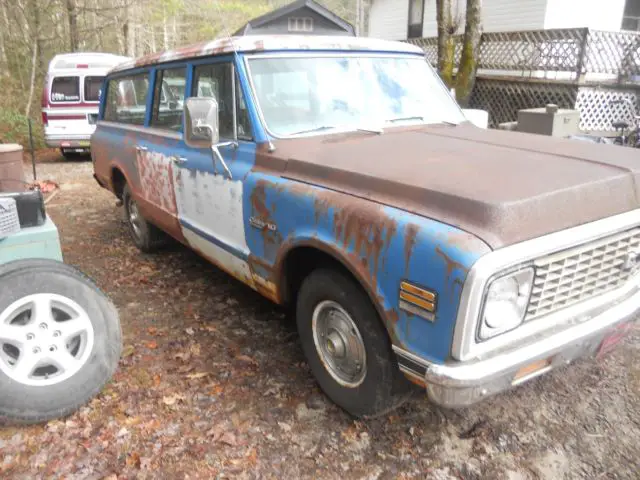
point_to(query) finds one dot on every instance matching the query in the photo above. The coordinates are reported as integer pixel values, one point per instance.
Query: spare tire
(60, 340)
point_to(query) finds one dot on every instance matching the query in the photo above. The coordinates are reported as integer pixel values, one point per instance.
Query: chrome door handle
(179, 160)
(140, 148)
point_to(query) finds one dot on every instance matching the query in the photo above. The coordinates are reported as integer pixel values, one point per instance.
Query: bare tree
(72, 16)
(468, 67)
(448, 24)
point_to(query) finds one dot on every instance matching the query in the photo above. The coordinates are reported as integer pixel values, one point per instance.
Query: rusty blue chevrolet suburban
(338, 176)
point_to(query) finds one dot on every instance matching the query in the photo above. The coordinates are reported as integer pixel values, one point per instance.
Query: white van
(71, 98)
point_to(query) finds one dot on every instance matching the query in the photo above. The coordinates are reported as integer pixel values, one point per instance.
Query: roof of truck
(261, 43)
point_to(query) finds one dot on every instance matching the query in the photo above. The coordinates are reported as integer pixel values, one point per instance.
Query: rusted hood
(504, 187)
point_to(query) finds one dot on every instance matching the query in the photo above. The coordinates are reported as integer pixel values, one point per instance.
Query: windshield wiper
(421, 119)
(405, 119)
(332, 127)
(316, 129)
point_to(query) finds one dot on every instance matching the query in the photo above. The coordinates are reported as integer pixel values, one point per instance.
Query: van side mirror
(201, 122)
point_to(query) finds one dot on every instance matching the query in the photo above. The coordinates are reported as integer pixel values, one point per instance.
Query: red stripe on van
(66, 117)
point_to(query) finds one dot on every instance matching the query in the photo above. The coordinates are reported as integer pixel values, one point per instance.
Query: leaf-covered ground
(213, 384)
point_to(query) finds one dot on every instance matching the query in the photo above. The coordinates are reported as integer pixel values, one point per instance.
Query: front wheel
(347, 348)
(60, 340)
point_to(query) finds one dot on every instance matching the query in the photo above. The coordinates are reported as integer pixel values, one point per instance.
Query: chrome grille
(580, 273)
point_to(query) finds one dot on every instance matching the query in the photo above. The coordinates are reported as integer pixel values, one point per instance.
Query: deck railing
(569, 54)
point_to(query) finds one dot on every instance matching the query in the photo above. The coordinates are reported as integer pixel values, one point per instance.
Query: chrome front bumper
(459, 384)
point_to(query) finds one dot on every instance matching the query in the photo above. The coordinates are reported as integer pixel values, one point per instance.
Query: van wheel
(146, 236)
(60, 340)
(347, 348)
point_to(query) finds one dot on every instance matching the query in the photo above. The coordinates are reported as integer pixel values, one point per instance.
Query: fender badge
(261, 224)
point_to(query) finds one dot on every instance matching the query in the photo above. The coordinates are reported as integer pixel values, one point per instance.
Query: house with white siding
(402, 19)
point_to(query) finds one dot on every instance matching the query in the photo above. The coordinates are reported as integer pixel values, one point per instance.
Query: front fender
(380, 245)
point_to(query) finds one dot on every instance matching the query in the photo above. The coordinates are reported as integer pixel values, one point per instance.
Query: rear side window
(92, 87)
(127, 99)
(168, 99)
(65, 89)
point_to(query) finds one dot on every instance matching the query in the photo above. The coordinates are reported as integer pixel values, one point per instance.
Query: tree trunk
(4, 62)
(34, 58)
(446, 45)
(72, 15)
(468, 67)
(129, 31)
(37, 33)
(165, 30)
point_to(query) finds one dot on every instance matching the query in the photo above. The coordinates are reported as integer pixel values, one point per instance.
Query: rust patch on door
(156, 180)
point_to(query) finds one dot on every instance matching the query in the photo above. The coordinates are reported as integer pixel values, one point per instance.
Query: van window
(127, 99)
(168, 99)
(65, 89)
(216, 80)
(92, 87)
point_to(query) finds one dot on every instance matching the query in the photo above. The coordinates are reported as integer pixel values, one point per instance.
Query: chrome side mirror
(201, 122)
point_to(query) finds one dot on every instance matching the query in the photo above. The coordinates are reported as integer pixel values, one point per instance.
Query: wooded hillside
(33, 31)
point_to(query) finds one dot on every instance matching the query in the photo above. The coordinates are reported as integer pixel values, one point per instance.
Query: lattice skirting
(502, 98)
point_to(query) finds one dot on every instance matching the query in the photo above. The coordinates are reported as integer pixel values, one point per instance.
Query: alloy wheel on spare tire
(146, 236)
(347, 347)
(60, 340)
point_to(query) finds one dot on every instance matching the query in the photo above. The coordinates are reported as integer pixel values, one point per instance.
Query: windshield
(305, 94)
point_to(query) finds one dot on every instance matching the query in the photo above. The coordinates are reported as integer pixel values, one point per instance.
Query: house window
(631, 17)
(300, 24)
(416, 18)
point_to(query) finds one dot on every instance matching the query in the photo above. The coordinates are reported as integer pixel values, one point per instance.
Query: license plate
(612, 340)
(84, 143)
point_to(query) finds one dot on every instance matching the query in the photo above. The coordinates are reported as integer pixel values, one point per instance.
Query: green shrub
(14, 128)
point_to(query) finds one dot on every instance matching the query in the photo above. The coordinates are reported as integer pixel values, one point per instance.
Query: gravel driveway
(213, 384)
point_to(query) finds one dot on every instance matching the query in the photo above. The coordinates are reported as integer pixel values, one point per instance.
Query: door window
(217, 81)
(92, 87)
(168, 99)
(65, 89)
(127, 99)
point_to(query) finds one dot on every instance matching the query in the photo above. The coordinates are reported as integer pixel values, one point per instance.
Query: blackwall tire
(146, 236)
(375, 388)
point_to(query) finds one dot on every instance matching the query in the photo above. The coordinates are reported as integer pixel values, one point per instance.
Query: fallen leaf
(252, 456)
(284, 426)
(247, 359)
(128, 350)
(156, 380)
(195, 376)
(190, 331)
(152, 330)
(113, 476)
(152, 345)
(215, 432)
(172, 399)
(229, 438)
(133, 460)
(185, 356)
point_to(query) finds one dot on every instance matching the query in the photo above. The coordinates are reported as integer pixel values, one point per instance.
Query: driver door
(210, 199)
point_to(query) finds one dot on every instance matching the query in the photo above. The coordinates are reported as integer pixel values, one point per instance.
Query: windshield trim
(328, 54)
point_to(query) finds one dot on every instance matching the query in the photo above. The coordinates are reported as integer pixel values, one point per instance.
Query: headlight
(506, 303)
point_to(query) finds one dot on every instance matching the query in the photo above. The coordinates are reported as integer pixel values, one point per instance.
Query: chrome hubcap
(135, 219)
(44, 339)
(339, 344)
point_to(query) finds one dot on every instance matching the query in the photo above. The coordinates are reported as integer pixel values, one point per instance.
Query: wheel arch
(301, 258)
